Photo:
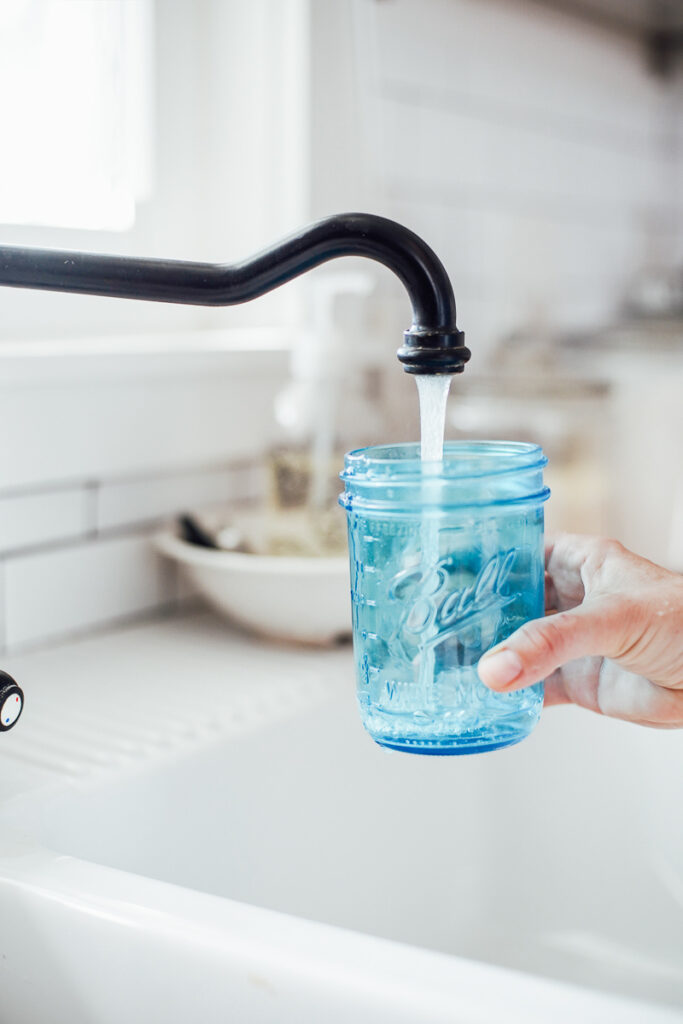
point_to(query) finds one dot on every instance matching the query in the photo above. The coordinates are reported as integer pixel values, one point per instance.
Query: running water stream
(433, 395)
(432, 392)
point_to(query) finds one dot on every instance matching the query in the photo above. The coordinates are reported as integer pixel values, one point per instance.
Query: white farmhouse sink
(240, 850)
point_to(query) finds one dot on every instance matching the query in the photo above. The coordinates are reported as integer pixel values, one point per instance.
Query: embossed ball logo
(437, 608)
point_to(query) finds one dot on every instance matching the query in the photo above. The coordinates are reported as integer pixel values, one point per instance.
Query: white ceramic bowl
(305, 600)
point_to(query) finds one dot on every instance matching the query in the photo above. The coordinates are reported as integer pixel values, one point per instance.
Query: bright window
(75, 113)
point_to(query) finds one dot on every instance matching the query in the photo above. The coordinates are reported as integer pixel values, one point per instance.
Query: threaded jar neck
(392, 479)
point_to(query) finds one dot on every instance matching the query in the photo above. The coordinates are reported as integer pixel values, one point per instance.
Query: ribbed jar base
(450, 748)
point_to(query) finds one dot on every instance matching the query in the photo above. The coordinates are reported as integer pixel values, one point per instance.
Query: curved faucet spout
(433, 343)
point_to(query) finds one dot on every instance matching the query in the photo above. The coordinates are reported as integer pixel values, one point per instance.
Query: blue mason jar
(446, 561)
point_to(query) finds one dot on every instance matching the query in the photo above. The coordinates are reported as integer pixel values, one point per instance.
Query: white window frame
(230, 154)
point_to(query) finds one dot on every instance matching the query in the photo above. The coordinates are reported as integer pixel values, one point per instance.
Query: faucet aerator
(432, 352)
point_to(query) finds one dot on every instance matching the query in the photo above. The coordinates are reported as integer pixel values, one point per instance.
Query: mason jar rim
(463, 460)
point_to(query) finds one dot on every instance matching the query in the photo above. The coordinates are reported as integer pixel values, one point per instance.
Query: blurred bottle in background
(328, 407)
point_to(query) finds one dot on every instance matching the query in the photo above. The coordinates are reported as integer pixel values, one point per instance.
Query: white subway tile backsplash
(98, 448)
(33, 519)
(97, 428)
(137, 501)
(535, 153)
(510, 164)
(52, 593)
(520, 56)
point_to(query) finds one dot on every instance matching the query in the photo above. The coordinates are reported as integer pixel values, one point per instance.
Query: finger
(612, 691)
(633, 698)
(550, 542)
(550, 594)
(540, 647)
(569, 549)
(565, 555)
(555, 692)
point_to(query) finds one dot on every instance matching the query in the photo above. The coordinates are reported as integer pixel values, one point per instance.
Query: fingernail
(500, 668)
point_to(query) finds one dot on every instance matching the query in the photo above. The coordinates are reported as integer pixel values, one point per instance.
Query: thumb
(541, 646)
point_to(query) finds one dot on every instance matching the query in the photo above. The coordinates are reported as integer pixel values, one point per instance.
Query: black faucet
(433, 344)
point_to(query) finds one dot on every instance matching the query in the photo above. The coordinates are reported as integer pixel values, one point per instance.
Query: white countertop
(122, 699)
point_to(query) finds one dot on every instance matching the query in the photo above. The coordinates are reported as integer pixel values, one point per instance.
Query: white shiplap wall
(532, 150)
(543, 161)
(536, 154)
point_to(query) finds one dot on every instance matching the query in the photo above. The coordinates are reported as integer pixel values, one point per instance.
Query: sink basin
(270, 863)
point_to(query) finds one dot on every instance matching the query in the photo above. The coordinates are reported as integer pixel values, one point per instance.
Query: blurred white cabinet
(645, 442)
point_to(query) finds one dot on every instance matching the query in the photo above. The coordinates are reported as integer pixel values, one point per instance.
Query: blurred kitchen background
(536, 145)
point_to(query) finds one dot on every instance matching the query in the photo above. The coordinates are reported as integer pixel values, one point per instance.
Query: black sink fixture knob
(11, 702)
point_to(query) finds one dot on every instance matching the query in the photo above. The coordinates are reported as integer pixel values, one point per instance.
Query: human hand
(612, 638)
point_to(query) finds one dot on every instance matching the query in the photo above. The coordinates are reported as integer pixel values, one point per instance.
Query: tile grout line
(558, 208)
(534, 120)
(93, 531)
(139, 530)
(117, 480)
